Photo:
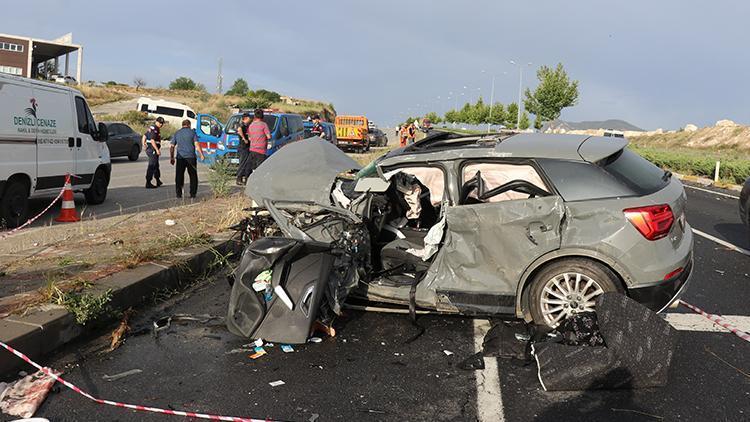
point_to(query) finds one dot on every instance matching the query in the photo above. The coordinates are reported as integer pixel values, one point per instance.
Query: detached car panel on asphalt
(529, 225)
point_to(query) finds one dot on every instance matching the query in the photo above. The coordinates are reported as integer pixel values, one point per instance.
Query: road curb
(45, 330)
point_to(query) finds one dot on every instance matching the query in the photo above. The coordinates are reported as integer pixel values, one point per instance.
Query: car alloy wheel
(567, 294)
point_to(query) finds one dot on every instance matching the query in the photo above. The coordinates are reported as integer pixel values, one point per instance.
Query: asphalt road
(127, 193)
(369, 373)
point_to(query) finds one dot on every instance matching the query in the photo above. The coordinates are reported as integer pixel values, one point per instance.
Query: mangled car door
(500, 225)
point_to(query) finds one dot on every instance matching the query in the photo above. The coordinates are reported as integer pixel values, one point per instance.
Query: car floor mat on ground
(639, 351)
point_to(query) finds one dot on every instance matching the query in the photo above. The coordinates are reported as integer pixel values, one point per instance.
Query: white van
(47, 132)
(173, 113)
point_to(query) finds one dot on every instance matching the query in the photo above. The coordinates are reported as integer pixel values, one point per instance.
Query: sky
(656, 64)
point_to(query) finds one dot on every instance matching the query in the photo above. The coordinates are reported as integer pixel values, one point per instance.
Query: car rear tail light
(654, 222)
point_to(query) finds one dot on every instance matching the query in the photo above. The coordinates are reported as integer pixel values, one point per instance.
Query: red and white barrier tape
(33, 219)
(57, 378)
(718, 320)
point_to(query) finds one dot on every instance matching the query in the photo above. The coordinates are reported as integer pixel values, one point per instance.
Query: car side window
(495, 175)
(190, 114)
(284, 130)
(209, 125)
(83, 116)
(432, 178)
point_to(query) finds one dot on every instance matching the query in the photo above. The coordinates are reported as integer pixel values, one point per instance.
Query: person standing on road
(317, 129)
(403, 135)
(244, 150)
(258, 134)
(411, 133)
(185, 143)
(152, 144)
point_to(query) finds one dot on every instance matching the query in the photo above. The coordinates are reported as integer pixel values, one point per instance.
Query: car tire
(134, 153)
(568, 286)
(14, 205)
(97, 193)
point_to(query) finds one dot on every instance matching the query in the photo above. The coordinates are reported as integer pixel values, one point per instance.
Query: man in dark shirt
(185, 143)
(244, 150)
(317, 129)
(152, 143)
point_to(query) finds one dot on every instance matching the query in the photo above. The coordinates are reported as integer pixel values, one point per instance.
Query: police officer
(317, 129)
(244, 150)
(152, 143)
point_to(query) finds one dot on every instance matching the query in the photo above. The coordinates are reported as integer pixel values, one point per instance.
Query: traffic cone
(68, 212)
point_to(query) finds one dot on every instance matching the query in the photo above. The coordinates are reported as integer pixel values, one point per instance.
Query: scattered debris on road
(23, 397)
(118, 335)
(121, 375)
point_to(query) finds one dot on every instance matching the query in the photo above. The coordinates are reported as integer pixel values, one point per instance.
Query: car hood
(303, 171)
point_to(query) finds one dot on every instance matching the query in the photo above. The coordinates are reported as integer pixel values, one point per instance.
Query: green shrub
(697, 163)
(220, 178)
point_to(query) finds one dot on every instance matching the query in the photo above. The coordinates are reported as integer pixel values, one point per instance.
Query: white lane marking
(695, 322)
(722, 242)
(711, 191)
(489, 397)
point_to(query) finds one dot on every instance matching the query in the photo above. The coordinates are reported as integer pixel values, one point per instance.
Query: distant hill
(615, 124)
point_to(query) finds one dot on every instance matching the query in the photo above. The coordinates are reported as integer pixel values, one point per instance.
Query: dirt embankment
(725, 136)
(202, 102)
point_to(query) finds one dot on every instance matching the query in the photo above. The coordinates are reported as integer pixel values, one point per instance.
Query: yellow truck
(351, 132)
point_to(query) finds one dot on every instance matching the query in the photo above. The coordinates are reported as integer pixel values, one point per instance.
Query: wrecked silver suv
(535, 226)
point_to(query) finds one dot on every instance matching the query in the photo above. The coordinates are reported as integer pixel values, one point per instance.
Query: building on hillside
(33, 57)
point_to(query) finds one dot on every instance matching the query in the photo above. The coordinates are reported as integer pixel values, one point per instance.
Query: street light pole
(520, 87)
(492, 103)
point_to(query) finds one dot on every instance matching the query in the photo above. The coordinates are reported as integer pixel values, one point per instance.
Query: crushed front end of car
(305, 256)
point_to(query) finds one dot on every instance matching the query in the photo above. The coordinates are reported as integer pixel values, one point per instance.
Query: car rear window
(635, 172)
(623, 174)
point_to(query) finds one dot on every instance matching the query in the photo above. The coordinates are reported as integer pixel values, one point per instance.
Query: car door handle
(71, 142)
(78, 142)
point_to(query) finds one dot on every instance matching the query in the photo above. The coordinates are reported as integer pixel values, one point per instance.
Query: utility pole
(220, 78)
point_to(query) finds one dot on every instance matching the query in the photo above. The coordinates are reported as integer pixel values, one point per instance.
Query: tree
(525, 122)
(271, 96)
(139, 82)
(511, 114)
(186, 84)
(554, 92)
(251, 103)
(451, 116)
(465, 113)
(496, 116)
(538, 123)
(239, 88)
(479, 112)
(433, 117)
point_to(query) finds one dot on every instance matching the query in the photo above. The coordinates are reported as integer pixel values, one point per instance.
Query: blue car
(328, 128)
(221, 140)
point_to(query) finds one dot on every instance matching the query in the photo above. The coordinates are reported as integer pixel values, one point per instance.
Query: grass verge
(733, 169)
